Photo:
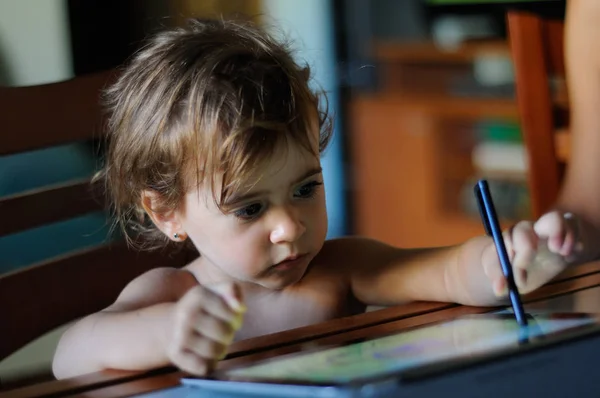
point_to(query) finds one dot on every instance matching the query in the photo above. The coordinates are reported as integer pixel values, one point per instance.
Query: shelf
(429, 52)
(446, 105)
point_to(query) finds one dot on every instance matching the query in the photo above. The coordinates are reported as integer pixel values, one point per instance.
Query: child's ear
(168, 221)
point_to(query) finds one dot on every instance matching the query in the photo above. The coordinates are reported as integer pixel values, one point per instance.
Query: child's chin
(280, 282)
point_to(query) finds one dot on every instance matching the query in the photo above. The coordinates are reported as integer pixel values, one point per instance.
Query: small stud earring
(176, 235)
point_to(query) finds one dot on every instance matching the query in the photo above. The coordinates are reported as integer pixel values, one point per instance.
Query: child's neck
(208, 274)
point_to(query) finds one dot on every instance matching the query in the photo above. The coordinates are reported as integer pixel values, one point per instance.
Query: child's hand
(538, 252)
(205, 321)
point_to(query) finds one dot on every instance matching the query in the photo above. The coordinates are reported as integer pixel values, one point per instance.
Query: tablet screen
(463, 337)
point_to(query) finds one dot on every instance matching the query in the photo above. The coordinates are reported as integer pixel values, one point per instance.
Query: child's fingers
(493, 270)
(491, 266)
(190, 362)
(549, 224)
(520, 276)
(216, 329)
(231, 293)
(499, 287)
(560, 230)
(536, 251)
(573, 235)
(204, 347)
(551, 227)
(199, 299)
(568, 243)
(524, 244)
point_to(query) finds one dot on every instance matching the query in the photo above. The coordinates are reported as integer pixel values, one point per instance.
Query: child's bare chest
(316, 300)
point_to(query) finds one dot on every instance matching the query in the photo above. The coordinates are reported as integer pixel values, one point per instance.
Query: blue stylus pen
(492, 228)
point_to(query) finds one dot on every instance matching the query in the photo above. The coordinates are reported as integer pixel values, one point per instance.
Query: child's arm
(380, 274)
(152, 325)
(580, 192)
(468, 274)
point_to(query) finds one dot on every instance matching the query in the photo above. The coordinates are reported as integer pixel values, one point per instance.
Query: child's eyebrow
(309, 173)
(234, 199)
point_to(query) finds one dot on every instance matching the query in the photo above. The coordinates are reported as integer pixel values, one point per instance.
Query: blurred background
(422, 94)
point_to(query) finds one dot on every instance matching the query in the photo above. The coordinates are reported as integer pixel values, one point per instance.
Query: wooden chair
(39, 298)
(536, 42)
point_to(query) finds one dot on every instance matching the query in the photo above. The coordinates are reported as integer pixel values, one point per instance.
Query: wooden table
(577, 290)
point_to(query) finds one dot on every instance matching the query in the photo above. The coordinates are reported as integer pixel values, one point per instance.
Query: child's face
(281, 217)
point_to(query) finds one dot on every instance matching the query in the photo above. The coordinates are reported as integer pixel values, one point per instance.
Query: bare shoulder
(158, 285)
(355, 252)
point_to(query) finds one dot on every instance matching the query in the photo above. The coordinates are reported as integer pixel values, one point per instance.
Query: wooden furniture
(576, 290)
(38, 298)
(411, 144)
(537, 49)
(400, 166)
(406, 143)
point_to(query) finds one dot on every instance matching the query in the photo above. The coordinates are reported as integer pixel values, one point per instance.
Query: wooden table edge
(582, 277)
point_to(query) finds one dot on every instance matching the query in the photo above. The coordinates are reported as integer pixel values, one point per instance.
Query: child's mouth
(289, 263)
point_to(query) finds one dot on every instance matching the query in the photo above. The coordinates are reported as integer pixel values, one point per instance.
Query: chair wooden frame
(41, 297)
(537, 50)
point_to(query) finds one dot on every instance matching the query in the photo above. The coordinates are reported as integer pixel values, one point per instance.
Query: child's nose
(287, 226)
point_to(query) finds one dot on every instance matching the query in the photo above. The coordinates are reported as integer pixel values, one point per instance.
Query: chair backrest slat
(46, 115)
(537, 51)
(40, 297)
(58, 291)
(46, 205)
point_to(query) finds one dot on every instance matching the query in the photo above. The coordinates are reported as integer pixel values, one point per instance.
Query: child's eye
(249, 212)
(307, 190)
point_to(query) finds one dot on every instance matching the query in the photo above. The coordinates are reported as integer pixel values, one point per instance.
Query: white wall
(34, 42)
(309, 23)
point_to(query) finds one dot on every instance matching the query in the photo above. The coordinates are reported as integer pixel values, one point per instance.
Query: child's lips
(290, 262)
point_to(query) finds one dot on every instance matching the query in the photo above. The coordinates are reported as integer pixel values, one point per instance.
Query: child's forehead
(239, 169)
(285, 166)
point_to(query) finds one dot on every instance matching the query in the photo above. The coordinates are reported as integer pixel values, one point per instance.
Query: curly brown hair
(196, 103)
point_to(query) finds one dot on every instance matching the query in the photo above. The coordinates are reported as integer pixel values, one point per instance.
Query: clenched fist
(204, 324)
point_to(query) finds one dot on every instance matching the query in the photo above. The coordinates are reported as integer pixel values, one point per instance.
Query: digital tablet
(414, 360)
